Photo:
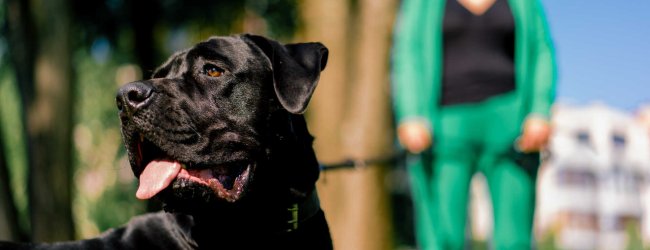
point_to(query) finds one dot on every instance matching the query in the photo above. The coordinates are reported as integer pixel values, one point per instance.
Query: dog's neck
(259, 216)
(291, 153)
(261, 219)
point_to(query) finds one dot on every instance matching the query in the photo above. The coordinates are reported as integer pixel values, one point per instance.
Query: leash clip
(293, 213)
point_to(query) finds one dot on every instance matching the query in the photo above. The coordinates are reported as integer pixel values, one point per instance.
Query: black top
(478, 53)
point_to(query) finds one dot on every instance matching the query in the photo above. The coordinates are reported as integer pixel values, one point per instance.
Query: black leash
(352, 163)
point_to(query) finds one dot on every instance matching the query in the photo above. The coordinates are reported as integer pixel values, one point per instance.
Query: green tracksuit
(471, 137)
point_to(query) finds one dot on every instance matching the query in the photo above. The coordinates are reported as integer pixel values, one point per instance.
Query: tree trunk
(350, 116)
(50, 125)
(43, 66)
(326, 21)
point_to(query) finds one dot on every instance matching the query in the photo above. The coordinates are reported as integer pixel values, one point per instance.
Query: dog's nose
(133, 96)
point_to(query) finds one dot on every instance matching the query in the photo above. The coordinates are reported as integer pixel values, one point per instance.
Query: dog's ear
(296, 70)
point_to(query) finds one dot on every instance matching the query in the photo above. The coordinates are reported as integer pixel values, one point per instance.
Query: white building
(591, 188)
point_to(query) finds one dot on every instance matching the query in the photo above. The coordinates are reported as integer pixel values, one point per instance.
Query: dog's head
(200, 128)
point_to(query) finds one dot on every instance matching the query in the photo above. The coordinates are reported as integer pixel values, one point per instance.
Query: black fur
(250, 115)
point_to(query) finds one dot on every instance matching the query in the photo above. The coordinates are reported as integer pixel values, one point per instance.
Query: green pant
(470, 138)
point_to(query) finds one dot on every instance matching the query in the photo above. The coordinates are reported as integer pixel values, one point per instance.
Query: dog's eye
(212, 71)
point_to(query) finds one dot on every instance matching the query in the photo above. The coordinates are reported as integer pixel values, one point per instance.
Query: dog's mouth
(158, 170)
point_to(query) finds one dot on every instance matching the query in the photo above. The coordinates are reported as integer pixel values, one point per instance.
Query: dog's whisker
(196, 132)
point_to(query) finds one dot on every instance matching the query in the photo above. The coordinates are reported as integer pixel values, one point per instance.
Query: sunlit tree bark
(350, 117)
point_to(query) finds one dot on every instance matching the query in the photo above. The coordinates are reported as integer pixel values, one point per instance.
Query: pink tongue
(157, 175)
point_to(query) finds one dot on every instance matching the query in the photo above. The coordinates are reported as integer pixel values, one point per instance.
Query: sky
(603, 51)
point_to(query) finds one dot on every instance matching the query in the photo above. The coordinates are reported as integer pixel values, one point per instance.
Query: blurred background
(64, 174)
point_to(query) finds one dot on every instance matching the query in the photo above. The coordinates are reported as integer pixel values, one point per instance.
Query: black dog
(218, 136)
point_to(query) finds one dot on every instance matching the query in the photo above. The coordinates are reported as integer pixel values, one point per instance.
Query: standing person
(472, 79)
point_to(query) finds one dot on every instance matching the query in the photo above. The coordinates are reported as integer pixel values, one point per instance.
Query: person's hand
(535, 135)
(414, 136)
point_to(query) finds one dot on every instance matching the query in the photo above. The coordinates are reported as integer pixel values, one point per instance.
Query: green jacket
(417, 59)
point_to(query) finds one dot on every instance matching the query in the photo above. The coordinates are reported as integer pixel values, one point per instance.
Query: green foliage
(104, 184)
(10, 116)
(547, 241)
(634, 237)
(281, 16)
(115, 207)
